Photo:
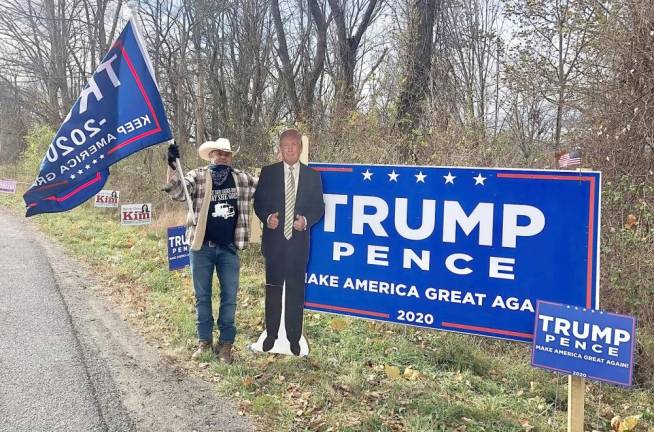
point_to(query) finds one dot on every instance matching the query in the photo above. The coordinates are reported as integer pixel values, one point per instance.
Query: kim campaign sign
(107, 199)
(584, 342)
(118, 113)
(461, 249)
(8, 186)
(136, 214)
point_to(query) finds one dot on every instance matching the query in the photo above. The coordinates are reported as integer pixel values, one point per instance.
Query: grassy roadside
(361, 375)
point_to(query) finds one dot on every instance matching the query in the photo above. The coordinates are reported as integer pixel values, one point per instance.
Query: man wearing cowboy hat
(288, 201)
(221, 197)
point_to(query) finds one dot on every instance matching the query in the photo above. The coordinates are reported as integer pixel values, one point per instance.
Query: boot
(203, 348)
(224, 352)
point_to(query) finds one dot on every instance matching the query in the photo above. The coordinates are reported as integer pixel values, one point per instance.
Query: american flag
(572, 158)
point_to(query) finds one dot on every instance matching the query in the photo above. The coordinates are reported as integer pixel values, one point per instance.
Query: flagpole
(134, 17)
(178, 164)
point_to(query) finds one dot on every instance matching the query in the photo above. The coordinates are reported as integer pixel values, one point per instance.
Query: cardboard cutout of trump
(288, 201)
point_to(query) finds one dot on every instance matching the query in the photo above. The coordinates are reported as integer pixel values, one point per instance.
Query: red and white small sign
(136, 214)
(107, 198)
(8, 186)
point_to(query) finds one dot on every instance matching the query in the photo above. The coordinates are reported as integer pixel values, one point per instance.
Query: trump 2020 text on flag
(461, 249)
(118, 113)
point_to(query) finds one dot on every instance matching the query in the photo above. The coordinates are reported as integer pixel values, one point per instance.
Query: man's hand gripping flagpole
(176, 164)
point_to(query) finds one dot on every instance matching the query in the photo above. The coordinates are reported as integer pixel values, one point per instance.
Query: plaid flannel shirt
(199, 184)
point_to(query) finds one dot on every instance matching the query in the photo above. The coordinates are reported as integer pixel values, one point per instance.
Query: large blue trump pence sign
(459, 249)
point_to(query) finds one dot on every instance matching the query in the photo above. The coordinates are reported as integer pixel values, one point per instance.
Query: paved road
(69, 362)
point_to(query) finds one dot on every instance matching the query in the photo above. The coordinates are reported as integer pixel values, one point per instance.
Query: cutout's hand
(173, 155)
(273, 221)
(300, 223)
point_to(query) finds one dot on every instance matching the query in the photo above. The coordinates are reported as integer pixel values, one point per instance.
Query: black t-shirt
(223, 210)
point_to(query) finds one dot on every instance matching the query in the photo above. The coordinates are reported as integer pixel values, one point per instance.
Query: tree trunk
(416, 78)
(561, 93)
(318, 61)
(347, 49)
(180, 111)
(282, 51)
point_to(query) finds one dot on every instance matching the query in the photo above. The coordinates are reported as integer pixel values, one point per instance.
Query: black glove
(173, 155)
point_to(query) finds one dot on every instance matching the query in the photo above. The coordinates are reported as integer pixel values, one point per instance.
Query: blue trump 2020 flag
(118, 113)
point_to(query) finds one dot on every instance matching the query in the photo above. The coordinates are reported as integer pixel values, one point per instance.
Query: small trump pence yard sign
(583, 342)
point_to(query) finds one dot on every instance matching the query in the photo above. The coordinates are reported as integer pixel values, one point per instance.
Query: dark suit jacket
(269, 198)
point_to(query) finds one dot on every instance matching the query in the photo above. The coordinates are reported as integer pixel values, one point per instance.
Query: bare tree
(529, 121)
(52, 50)
(351, 21)
(470, 46)
(301, 97)
(14, 120)
(554, 38)
(168, 27)
(415, 82)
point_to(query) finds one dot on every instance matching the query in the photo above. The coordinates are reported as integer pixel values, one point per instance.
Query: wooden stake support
(304, 156)
(576, 389)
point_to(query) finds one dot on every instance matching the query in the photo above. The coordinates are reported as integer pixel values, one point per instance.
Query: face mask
(219, 173)
(217, 168)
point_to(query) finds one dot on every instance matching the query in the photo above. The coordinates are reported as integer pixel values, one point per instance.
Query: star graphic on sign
(72, 176)
(79, 171)
(449, 178)
(367, 175)
(420, 177)
(393, 176)
(479, 180)
(95, 161)
(87, 166)
(101, 156)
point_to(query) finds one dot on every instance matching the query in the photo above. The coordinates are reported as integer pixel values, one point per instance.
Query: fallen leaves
(299, 401)
(313, 363)
(411, 374)
(632, 222)
(255, 322)
(526, 425)
(618, 424)
(280, 378)
(244, 407)
(392, 372)
(316, 422)
(532, 386)
(344, 388)
(338, 324)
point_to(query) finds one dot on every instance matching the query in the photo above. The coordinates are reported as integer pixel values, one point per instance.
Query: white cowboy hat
(209, 146)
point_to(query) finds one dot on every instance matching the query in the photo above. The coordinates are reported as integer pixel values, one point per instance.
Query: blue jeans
(227, 264)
